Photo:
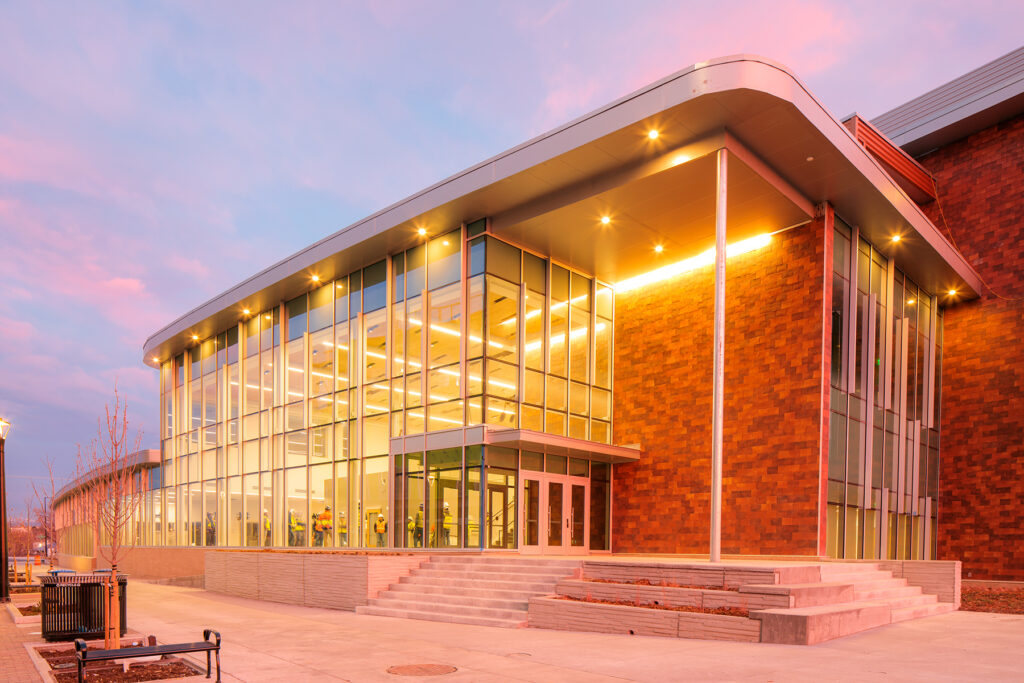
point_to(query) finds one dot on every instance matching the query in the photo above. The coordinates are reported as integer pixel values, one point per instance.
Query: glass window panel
(502, 319)
(257, 519)
(295, 448)
(578, 398)
(600, 404)
(296, 503)
(445, 319)
(501, 412)
(321, 444)
(503, 260)
(397, 394)
(341, 441)
(502, 379)
(577, 427)
(398, 273)
(342, 354)
(556, 393)
(321, 308)
(477, 256)
(296, 309)
(445, 416)
(416, 273)
(555, 464)
(341, 498)
(252, 335)
(471, 505)
(321, 362)
(841, 253)
(475, 411)
(321, 504)
(375, 502)
(535, 273)
(211, 517)
(355, 294)
(554, 423)
(415, 512)
(413, 391)
(558, 345)
(475, 380)
(533, 388)
(444, 497)
(376, 435)
(475, 345)
(534, 330)
(296, 370)
(295, 416)
(398, 339)
(375, 286)
(209, 350)
(375, 367)
(443, 384)
(341, 299)
(443, 260)
(414, 335)
(271, 384)
(532, 418)
(603, 353)
(601, 432)
(579, 345)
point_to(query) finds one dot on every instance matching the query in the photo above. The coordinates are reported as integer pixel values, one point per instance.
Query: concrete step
(457, 599)
(921, 611)
(806, 594)
(811, 625)
(911, 601)
(498, 567)
(878, 584)
(830, 570)
(885, 593)
(534, 577)
(446, 608)
(445, 589)
(434, 616)
(503, 585)
(505, 559)
(857, 577)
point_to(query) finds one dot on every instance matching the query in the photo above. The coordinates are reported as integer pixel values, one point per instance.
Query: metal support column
(721, 194)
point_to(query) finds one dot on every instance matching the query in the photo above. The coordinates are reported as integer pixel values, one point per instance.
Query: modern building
(521, 358)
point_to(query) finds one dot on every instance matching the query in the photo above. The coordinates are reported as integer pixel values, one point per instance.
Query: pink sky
(152, 155)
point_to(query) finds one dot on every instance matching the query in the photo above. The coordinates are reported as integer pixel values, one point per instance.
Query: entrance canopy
(523, 439)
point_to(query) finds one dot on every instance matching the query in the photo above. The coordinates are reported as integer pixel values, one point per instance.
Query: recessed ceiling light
(952, 292)
(155, 359)
(810, 158)
(652, 134)
(421, 231)
(246, 311)
(605, 220)
(445, 243)
(195, 337)
(315, 278)
(658, 248)
(910, 302)
(896, 238)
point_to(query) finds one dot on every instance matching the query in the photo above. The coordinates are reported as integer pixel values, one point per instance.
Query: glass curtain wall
(886, 360)
(276, 431)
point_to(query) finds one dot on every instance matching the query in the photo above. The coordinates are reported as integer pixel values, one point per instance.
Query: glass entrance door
(554, 513)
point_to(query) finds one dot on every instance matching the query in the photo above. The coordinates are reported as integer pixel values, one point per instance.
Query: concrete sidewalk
(270, 642)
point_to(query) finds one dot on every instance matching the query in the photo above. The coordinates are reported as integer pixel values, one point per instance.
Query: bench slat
(147, 651)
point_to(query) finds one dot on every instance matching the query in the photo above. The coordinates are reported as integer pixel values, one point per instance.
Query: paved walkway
(15, 664)
(270, 642)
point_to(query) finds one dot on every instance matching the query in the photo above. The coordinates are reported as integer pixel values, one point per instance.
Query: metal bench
(85, 655)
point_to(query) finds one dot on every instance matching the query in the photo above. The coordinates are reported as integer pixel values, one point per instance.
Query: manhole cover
(421, 670)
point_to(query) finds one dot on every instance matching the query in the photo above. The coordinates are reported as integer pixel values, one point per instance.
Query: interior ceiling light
(652, 134)
(910, 302)
(155, 359)
(605, 220)
(445, 243)
(706, 258)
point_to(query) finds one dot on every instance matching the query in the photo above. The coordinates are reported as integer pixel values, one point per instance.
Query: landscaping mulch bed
(725, 611)
(64, 666)
(664, 584)
(998, 600)
(30, 610)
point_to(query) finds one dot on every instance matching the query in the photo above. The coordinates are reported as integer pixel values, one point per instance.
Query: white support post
(719, 358)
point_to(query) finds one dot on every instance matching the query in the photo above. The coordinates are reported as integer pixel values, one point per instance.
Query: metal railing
(73, 605)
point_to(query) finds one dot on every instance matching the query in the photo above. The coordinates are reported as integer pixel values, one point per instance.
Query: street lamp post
(5, 589)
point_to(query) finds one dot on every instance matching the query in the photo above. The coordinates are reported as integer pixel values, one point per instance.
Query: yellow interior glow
(706, 258)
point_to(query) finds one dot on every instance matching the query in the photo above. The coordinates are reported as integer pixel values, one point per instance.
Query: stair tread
(431, 616)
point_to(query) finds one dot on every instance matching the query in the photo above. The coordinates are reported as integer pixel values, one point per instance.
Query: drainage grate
(421, 670)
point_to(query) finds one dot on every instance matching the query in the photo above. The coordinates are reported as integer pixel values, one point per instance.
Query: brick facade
(773, 405)
(981, 194)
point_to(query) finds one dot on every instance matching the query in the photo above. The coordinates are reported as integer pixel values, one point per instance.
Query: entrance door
(554, 513)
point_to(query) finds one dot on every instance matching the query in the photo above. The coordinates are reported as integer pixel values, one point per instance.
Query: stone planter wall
(570, 615)
(332, 580)
(938, 577)
(712, 577)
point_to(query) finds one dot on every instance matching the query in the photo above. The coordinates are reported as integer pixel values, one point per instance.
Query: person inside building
(446, 531)
(417, 534)
(323, 526)
(266, 528)
(408, 532)
(380, 527)
(296, 530)
(342, 530)
(211, 530)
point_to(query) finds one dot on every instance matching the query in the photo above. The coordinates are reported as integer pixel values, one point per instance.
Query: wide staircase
(848, 598)
(484, 590)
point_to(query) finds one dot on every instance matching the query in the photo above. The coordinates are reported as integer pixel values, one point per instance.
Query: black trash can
(73, 605)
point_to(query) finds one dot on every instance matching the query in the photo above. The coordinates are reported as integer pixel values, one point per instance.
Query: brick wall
(773, 399)
(981, 195)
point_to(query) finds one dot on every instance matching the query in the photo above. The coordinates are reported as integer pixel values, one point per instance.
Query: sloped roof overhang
(790, 141)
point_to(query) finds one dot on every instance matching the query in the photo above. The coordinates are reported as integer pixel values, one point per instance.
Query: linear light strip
(706, 258)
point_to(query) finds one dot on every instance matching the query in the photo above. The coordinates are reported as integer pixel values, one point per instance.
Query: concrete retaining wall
(332, 580)
(156, 563)
(79, 563)
(689, 575)
(671, 597)
(570, 615)
(938, 577)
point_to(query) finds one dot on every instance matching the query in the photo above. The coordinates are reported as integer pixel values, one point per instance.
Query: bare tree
(46, 519)
(112, 498)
